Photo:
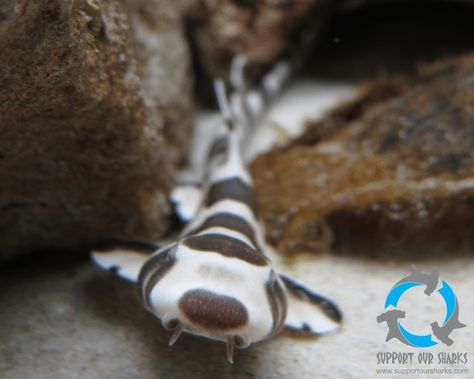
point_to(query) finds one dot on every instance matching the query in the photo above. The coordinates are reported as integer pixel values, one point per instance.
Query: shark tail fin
(458, 324)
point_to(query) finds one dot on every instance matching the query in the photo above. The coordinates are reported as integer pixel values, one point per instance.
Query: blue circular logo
(393, 315)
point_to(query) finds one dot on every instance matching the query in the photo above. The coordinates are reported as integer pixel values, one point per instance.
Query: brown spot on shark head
(213, 311)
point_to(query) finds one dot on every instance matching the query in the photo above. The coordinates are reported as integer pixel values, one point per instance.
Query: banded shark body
(216, 280)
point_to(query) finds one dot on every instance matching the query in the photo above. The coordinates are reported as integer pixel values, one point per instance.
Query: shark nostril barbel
(178, 329)
(230, 349)
(175, 325)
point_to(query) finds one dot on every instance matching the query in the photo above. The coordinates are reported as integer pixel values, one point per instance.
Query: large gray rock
(95, 113)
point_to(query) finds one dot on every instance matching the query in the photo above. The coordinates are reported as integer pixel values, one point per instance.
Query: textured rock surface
(400, 173)
(260, 30)
(264, 30)
(95, 111)
(61, 319)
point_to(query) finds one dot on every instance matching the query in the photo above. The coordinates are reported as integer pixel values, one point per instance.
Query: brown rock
(95, 111)
(260, 30)
(398, 174)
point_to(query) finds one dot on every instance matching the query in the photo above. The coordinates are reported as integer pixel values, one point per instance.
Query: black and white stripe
(232, 189)
(153, 270)
(229, 208)
(228, 221)
(227, 246)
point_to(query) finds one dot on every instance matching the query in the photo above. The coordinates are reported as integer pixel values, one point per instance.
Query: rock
(266, 30)
(260, 30)
(395, 173)
(95, 113)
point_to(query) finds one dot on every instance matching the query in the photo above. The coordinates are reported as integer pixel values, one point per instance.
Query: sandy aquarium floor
(63, 319)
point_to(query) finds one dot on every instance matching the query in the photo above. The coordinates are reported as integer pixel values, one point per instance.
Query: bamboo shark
(217, 280)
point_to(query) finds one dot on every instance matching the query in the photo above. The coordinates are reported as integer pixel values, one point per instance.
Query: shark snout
(211, 311)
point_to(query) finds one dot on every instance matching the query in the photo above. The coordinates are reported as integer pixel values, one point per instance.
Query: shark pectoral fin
(309, 312)
(124, 258)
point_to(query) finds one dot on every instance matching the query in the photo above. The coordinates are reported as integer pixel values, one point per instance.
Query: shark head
(222, 295)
